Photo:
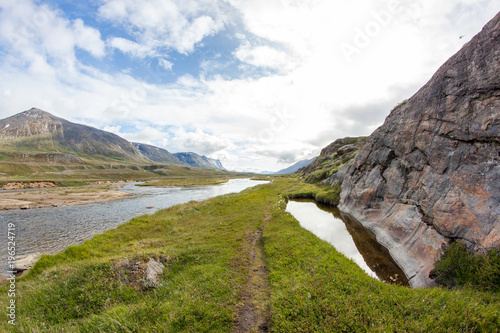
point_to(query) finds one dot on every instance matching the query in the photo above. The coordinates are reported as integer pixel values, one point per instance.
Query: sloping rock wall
(431, 172)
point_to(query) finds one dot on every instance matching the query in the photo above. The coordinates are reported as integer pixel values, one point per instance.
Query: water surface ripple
(51, 229)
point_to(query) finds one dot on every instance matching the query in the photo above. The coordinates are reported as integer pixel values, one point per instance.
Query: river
(348, 237)
(52, 229)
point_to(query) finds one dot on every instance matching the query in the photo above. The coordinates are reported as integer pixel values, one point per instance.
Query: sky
(257, 84)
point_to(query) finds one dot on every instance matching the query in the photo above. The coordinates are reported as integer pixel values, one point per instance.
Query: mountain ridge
(37, 135)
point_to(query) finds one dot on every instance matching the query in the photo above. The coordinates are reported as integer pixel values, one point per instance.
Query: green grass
(328, 195)
(204, 247)
(316, 289)
(68, 175)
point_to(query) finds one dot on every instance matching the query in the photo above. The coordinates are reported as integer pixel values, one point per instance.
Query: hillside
(156, 154)
(35, 144)
(198, 161)
(36, 135)
(295, 167)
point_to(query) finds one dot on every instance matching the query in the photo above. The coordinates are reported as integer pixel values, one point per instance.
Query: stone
(430, 174)
(154, 269)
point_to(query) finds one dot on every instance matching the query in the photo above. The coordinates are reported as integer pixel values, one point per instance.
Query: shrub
(459, 267)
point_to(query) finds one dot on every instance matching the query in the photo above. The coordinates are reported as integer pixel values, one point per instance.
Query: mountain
(38, 135)
(156, 154)
(295, 167)
(431, 174)
(198, 161)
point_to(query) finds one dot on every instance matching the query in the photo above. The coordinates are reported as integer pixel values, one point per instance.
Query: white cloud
(165, 64)
(88, 39)
(264, 56)
(36, 33)
(131, 48)
(199, 142)
(178, 25)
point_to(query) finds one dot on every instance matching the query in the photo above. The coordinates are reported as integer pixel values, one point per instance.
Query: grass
(71, 175)
(170, 182)
(205, 247)
(316, 289)
(328, 195)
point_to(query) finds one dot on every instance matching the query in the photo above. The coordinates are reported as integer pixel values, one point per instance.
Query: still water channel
(348, 237)
(51, 229)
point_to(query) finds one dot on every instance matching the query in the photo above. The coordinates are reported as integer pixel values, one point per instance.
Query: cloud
(177, 25)
(165, 64)
(131, 48)
(199, 142)
(39, 35)
(264, 56)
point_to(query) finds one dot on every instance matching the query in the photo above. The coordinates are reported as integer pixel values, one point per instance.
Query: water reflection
(349, 237)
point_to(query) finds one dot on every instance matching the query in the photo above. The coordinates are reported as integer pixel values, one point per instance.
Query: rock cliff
(431, 173)
(197, 161)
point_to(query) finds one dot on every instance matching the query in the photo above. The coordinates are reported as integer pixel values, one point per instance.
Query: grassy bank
(205, 249)
(174, 182)
(67, 175)
(328, 195)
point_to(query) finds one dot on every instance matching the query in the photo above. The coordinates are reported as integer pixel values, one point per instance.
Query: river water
(348, 237)
(51, 229)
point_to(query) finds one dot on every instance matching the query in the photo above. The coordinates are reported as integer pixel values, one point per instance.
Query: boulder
(431, 173)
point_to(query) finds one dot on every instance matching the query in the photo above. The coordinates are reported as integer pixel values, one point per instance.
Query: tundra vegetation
(205, 248)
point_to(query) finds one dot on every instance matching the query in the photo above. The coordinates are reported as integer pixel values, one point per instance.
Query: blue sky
(258, 84)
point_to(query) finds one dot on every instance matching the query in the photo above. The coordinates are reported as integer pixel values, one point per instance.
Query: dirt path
(253, 312)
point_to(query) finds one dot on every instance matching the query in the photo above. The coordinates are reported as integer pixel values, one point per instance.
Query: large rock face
(431, 172)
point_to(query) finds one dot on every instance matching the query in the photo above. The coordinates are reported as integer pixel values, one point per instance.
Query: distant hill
(295, 167)
(198, 161)
(156, 154)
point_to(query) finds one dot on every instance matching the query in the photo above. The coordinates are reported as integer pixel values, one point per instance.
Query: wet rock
(431, 172)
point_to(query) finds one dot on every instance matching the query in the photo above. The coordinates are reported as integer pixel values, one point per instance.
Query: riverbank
(59, 196)
(209, 282)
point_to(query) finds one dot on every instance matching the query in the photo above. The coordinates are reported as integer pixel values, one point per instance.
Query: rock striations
(431, 173)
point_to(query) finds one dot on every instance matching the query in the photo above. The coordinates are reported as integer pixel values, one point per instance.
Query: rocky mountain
(156, 154)
(295, 167)
(430, 174)
(198, 161)
(38, 135)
